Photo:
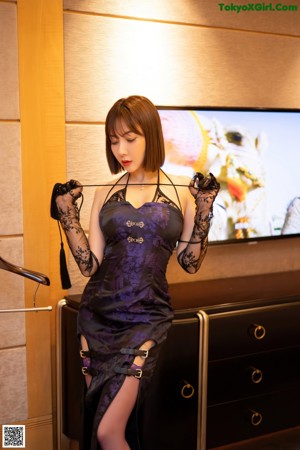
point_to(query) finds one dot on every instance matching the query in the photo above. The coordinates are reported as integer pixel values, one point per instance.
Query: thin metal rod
(136, 184)
(46, 308)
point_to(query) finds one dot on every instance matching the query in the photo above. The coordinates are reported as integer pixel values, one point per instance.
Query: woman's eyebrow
(115, 135)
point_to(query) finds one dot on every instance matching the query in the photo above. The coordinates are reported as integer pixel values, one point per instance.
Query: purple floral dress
(126, 303)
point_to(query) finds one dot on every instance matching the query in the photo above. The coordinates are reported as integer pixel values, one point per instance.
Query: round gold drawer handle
(256, 375)
(187, 390)
(258, 331)
(255, 418)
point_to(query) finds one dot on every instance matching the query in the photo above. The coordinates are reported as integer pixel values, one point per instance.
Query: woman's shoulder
(103, 190)
(179, 181)
(107, 185)
(181, 184)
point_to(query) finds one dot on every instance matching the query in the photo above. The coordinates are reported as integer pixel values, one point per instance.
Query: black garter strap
(132, 351)
(135, 372)
(89, 371)
(89, 354)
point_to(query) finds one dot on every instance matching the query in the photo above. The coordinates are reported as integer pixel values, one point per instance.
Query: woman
(135, 225)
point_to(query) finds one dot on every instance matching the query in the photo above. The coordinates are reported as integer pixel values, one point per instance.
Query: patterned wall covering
(176, 53)
(12, 326)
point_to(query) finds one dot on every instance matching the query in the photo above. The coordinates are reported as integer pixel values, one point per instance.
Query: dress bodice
(139, 241)
(150, 231)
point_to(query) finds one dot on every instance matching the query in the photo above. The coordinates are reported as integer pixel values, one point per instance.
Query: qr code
(13, 436)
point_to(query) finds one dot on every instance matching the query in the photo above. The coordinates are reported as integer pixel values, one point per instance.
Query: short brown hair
(139, 114)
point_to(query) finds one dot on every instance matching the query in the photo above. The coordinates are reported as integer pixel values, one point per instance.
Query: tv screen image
(254, 154)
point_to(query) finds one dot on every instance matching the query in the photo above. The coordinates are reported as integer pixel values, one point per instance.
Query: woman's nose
(122, 148)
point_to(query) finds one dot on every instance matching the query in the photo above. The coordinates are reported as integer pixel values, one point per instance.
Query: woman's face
(128, 148)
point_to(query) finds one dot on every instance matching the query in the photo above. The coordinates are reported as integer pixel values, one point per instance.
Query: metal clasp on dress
(84, 370)
(131, 223)
(139, 240)
(138, 373)
(145, 353)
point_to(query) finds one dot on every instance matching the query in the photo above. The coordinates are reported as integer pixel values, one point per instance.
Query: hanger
(32, 275)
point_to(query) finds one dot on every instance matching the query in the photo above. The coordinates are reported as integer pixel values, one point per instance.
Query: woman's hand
(64, 209)
(204, 190)
(64, 195)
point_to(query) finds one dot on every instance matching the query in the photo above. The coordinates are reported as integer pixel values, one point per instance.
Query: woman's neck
(142, 177)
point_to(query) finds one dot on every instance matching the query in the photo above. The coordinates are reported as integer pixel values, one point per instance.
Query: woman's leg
(111, 430)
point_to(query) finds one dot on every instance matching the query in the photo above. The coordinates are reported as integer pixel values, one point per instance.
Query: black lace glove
(72, 187)
(204, 190)
(64, 209)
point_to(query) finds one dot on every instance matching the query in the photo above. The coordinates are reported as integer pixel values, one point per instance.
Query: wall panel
(204, 12)
(108, 58)
(86, 163)
(11, 219)
(13, 371)
(12, 325)
(179, 53)
(13, 388)
(9, 99)
(242, 259)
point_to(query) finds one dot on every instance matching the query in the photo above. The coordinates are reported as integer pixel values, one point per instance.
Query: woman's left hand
(204, 189)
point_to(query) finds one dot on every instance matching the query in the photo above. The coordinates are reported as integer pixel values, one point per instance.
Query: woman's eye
(113, 142)
(131, 139)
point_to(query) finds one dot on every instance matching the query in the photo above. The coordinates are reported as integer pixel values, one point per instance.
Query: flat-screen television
(255, 155)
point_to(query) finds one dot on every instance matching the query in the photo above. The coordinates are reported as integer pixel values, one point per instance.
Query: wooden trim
(42, 117)
(37, 431)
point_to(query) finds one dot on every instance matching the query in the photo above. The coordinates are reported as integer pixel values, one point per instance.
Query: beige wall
(12, 327)
(176, 53)
(32, 140)
(65, 63)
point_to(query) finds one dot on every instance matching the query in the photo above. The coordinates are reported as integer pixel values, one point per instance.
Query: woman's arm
(88, 254)
(193, 243)
(96, 238)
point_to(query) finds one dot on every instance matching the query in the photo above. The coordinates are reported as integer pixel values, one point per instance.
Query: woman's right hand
(63, 196)
(72, 187)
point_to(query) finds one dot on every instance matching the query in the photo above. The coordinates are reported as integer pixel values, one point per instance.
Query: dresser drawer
(255, 330)
(168, 416)
(256, 374)
(253, 417)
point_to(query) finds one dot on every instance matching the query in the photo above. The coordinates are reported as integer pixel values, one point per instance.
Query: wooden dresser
(252, 369)
(229, 371)
(249, 347)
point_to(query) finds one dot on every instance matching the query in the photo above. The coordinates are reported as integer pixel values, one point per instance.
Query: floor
(285, 440)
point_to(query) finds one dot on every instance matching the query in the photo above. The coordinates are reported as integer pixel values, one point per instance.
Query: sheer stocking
(111, 430)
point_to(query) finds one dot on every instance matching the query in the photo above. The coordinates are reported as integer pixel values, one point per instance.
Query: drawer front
(169, 413)
(249, 418)
(72, 378)
(250, 331)
(257, 374)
